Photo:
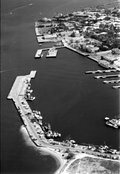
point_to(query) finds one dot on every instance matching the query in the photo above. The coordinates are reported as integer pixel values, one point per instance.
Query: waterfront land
(93, 32)
(68, 153)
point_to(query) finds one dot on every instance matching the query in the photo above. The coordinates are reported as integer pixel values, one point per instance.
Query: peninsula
(72, 157)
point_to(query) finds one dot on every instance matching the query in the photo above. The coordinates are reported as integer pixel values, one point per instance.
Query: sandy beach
(44, 151)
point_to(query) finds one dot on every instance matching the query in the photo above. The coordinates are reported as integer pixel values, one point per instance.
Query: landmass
(93, 32)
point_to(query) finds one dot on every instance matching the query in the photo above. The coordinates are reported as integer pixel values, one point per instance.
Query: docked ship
(52, 52)
(104, 64)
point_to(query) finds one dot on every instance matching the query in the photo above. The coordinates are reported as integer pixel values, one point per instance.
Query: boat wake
(7, 70)
(11, 12)
(59, 6)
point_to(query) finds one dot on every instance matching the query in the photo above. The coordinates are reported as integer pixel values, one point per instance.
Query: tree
(97, 15)
(70, 154)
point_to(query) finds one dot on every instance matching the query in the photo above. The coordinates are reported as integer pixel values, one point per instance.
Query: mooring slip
(102, 71)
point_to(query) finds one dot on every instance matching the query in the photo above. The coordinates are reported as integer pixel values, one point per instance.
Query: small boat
(103, 64)
(107, 118)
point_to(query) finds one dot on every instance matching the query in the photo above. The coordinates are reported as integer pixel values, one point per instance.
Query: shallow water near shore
(73, 102)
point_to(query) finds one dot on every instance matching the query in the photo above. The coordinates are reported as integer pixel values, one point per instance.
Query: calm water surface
(74, 103)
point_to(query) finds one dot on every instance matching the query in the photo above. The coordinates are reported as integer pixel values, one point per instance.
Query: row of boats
(107, 76)
(46, 128)
(102, 71)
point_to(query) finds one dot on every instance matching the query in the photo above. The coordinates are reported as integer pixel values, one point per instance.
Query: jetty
(107, 76)
(17, 95)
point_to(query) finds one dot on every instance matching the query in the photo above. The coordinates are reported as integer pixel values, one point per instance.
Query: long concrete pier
(17, 95)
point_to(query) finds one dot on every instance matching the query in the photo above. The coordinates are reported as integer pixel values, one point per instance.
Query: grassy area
(88, 165)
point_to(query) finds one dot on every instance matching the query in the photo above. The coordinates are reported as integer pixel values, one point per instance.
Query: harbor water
(74, 103)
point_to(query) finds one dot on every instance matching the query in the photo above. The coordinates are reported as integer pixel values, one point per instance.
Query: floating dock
(107, 76)
(102, 71)
(111, 81)
(116, 87)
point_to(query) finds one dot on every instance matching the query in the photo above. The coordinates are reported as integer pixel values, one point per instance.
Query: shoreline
(43, 151)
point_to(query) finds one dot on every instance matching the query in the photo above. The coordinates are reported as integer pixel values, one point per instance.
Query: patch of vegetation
(111, 165)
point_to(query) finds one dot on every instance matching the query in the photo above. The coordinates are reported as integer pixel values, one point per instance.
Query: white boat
(104, 64)
(52, 52)
(116, 87)
(106, 118)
